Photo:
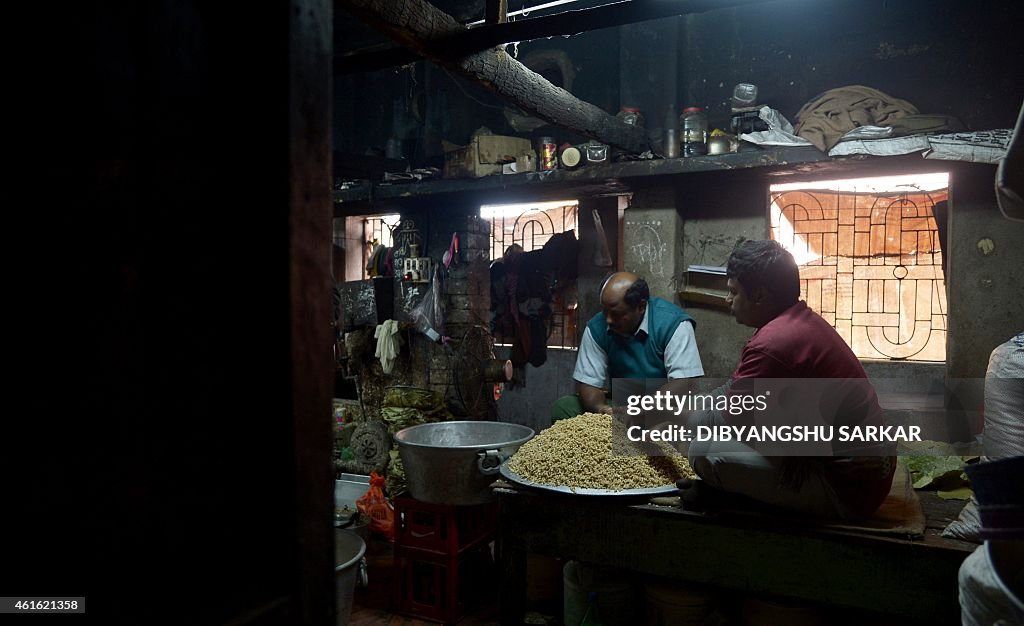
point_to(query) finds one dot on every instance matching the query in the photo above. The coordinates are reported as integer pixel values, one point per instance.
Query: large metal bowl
(456, 462)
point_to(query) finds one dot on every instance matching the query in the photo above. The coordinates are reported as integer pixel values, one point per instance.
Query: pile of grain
(578, 452)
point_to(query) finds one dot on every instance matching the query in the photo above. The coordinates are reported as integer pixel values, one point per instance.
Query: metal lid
(692, 110)
(571, 157)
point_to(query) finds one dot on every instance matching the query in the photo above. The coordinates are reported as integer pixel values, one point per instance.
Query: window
(360, 235)
(870, 260)
(530, 226)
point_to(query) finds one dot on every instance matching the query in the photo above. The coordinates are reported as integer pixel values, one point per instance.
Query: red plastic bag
(375, 506)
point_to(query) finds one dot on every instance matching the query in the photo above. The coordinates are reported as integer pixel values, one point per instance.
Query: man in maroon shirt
(793, 342)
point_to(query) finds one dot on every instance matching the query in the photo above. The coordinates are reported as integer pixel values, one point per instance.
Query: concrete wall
(651, 243)
(531, 405)
(718, 213)
(985, 281)
(943, 56)
(985, 274)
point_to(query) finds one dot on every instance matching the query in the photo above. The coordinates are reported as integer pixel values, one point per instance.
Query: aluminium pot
(456, 462)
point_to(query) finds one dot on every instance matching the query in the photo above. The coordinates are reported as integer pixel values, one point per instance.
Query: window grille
(360, 233)
(870, 263)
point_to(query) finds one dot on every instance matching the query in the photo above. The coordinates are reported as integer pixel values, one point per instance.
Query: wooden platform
(911, 578)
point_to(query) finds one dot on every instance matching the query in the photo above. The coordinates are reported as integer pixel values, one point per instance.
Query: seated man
(634, 336)
(792, 341)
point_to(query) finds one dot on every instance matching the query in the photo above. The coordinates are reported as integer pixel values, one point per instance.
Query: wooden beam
(497, 12)
(419, 25)
(468, 40)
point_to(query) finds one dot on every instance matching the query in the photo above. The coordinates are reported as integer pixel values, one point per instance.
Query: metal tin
(718, 144)
(548, 153)
(596, 152)
(571, 157)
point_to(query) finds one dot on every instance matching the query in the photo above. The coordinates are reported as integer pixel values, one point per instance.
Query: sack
(1004, 400)
(374, 505)
(967, 525)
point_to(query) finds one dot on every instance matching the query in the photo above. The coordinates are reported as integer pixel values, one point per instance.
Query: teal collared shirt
(664, 346)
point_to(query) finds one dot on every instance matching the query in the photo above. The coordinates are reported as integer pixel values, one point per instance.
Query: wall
(943, 56)
(531, 405)
(985, 279)
(651, 246)
(184, 438)
(719, 211)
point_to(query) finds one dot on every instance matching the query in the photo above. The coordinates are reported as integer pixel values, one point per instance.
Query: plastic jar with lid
(631, 115)
(694, 124)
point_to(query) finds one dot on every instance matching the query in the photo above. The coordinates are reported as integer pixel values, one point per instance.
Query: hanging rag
(387, 344)
(451, 255)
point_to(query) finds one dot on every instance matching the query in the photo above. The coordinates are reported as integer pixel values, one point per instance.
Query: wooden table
(914, 578)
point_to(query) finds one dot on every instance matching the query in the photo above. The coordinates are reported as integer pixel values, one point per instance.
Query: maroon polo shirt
(800, 344)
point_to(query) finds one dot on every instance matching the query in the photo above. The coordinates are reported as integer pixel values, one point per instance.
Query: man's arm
(682, 360)
(591, 374)
(593, 398)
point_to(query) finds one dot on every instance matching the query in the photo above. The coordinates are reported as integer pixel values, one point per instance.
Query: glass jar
(694, 123)
(632, 116)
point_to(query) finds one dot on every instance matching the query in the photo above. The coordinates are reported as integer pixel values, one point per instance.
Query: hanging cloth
(387, 344)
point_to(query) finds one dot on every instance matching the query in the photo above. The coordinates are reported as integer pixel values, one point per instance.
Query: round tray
(584, 491)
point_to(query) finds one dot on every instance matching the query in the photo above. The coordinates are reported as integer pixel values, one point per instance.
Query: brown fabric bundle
(829, 116)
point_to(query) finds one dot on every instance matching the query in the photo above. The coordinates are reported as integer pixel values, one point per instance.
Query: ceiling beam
(421, 26)
(465, 40)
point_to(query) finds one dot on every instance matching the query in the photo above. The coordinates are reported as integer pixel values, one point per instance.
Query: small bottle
(593, 616)
(631, 115)
(694, 123)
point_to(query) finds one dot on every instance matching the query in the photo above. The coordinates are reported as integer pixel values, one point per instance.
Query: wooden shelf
(707, 297)
(806, 162)
(590, 180)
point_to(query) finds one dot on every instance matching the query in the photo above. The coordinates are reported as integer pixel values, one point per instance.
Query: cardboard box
(484, 156)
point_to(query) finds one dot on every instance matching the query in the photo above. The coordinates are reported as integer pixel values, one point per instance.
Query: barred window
(530, 226)
(870, 260)
(360, 235)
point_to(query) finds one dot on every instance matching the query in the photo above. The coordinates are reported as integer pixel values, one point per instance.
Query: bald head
(616, 286)
(624, 299)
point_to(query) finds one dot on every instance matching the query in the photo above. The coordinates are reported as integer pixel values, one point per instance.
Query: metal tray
(647, 492)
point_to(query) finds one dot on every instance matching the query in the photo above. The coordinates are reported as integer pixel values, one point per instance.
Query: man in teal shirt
(634, 336)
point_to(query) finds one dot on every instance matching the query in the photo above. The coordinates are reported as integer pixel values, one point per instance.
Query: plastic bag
(429, 314)
(374, 505)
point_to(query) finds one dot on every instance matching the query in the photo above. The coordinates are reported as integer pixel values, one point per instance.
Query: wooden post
(497, 11)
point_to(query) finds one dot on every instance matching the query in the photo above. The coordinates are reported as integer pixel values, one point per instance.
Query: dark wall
(943, 56)
(180, 470)
(423, 103)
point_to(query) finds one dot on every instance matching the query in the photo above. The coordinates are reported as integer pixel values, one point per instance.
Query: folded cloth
(387, 344)
(827, 117)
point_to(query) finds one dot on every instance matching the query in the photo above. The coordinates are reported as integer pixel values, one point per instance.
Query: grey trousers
(737, 468)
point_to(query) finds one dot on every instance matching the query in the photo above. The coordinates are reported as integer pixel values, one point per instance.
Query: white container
(348, 489)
